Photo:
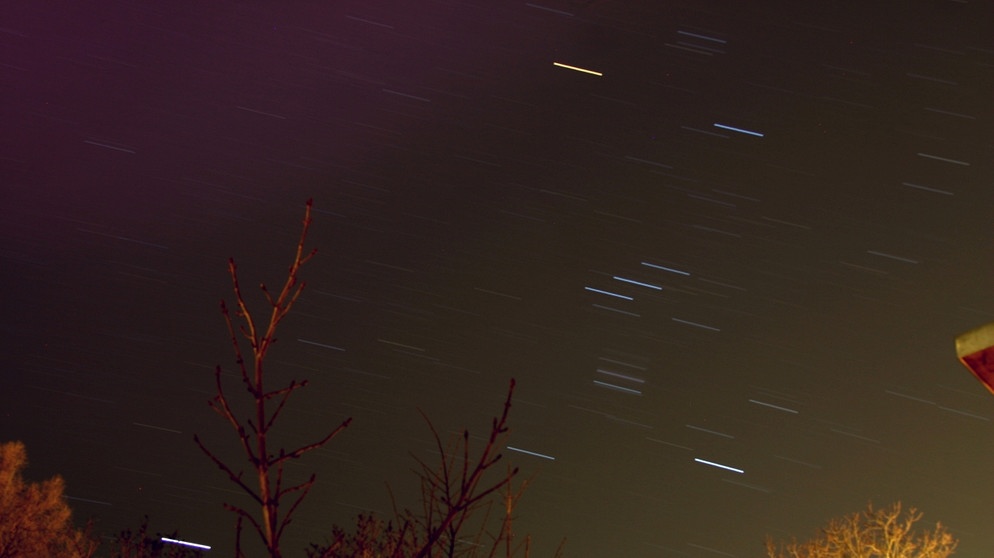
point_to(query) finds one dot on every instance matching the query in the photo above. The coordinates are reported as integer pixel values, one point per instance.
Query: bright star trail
(739, 130)
(532, 453)
(723, 249)
(639, 283)
(577, 69)
(718, 465)
(185, 543)
(664, 268)
(615, 387)
(609, 293)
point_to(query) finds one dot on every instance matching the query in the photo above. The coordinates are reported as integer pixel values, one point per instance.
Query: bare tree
(267, 488)
(467, 507)
(872, 533)
(454, 491)
(35, 519)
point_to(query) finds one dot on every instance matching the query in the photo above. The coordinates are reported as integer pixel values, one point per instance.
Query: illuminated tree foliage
(35, 520)
(872, 533)
(265, 485)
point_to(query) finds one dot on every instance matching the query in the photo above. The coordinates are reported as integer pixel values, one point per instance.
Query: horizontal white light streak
(718, 465)
(749, 486)
(316, 344)
(648, 162)
(943, 159)
(670, 269)
(370, 22)
(947, 113)
(911, 397)
(617, 388)
(714, 432)
(684, 46)
(261, 112)
(705, 132)
(857, 436)
(186, 543)
(108, 146)
(407, 96)
(608, 293)
(699, 36)
(548, 9)
(536, 454)
(609, 309)
(772, 406)
(402, 346)
(927, 189)
(574, 68)
(892, 256)
(799, 462)
(964, 413)
(931, 78)
(622, 376)
(98, 502)
(639, 283)
(153, 427)
(695, 324)
(612, 361)
(668, 443)
(739, 130)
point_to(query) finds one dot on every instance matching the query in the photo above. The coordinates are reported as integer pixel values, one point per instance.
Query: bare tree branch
(455, 507)
(252, 431)
(458, 507)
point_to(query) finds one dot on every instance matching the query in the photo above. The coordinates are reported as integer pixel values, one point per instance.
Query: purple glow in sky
(726, 272)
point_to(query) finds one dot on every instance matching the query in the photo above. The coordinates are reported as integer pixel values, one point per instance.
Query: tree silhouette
(872, 533)
(138, 543)
(458, 494)
(267, 488)
(454, 492)
(467, 503)
(467, 507)
(35, 520)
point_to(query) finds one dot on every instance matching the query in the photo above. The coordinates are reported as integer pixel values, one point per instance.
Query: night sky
(749, 242)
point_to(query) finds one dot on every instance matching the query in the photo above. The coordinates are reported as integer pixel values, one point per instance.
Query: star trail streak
(621, 376)
(718, 465)
(695, 324)
(532, 453)
(699, 36)
(577, 69)
(639, 283)
(617, 310)
(185, 543)
(616, 387)
(772, 406)
(739, 130)
(609, 293)
(664, 268)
